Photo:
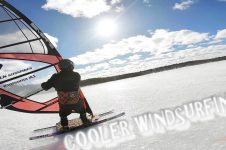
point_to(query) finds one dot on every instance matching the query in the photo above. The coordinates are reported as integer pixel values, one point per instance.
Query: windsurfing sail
(27, 58)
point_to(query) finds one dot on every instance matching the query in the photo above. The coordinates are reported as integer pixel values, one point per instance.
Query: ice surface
(135, 96)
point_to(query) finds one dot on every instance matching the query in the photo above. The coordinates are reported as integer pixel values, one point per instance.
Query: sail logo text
(5, 76)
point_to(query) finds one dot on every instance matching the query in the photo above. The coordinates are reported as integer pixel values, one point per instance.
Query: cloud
(185, 4)
(14, 65)
(164, 40)
(221, 34)
(134, 57)
(119, 9)
(83, 8)
(160, 48)
(108, 51)
(189, 54)
(222, 0)
(17, 36)
(9, 38)
(158, 41)
(52, 39)
(117, 62)
(147, 2)
(93, 68)
(115, 1)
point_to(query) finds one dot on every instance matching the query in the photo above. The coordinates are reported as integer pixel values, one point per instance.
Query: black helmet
(66, 64)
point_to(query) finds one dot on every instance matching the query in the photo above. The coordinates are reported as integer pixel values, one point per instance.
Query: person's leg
(64, 112)
(79, 107)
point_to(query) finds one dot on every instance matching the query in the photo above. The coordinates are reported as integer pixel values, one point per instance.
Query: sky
(112, 37)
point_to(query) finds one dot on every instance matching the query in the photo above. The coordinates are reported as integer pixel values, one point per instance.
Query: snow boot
(84, 119)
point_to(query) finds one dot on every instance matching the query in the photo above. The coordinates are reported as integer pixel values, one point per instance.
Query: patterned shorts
(68, 97)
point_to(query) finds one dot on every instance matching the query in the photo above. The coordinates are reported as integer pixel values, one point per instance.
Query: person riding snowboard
(66, 83)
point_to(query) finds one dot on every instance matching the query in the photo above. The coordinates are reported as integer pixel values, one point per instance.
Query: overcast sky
(110, 37)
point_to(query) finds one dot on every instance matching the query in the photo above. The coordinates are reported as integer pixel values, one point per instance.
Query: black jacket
(63, 81)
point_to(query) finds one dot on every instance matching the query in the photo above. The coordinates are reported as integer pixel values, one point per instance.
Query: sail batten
(13, 44)
(9, 20)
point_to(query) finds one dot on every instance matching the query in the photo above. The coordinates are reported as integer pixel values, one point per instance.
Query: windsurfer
(66, 83)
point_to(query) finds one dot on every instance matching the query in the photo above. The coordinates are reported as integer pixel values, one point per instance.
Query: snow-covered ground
(148, 93)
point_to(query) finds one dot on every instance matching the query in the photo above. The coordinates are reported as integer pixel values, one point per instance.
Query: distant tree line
(154, 70)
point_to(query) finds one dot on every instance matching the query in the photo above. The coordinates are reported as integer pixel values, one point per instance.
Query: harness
(68, 97)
